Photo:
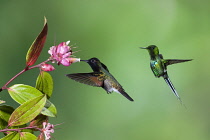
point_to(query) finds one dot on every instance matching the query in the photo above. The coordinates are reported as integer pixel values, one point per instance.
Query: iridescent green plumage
(99, 78)
(159, 65)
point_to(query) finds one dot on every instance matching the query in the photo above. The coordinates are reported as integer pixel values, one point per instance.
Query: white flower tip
(67, 42)
(78, 59)
(74, 60)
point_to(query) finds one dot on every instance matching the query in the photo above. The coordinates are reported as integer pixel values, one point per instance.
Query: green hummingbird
(159, 65)
(100, 77)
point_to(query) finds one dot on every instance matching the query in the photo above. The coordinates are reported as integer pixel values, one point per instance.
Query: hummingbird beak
(84, 60)
(143, 47)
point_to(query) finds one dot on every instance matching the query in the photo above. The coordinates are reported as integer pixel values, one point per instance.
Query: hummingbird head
(94, 63)
(152, 49)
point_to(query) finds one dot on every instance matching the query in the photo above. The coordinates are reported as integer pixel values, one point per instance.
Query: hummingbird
(100, 77)
(159, 65)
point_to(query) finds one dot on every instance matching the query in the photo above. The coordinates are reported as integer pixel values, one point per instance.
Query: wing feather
(175, 61)
(86, 78)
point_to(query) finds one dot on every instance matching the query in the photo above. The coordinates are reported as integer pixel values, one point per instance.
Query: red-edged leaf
(36, 47)
(27, 111)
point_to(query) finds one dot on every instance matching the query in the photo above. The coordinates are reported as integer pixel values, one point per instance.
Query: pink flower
(47, 67)
(47, 129)
(61, 53)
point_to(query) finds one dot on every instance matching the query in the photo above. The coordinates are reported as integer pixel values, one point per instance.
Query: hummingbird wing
(174, 61)
(87, 78)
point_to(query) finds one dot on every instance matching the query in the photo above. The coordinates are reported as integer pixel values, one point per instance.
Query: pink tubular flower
(47, 129)
(47, 67)
(61, 53)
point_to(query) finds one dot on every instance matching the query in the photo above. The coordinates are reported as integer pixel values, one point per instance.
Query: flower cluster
(47, 129)
(61, 54)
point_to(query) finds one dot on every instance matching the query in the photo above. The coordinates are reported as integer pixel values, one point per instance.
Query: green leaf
(27, 111)
(37, 46)
(49, 109)
(12, 136)
(27, 136)
(5, 112)
(22, 93)
(3, 124)
(44, 83)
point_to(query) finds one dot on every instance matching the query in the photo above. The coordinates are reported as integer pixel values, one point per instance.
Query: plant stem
(21, 72)
(5, 86)
(29, 127)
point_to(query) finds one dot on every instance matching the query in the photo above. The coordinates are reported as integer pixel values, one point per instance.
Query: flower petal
(65, 62)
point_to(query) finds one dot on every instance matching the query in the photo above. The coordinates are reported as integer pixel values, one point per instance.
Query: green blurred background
(112, 30)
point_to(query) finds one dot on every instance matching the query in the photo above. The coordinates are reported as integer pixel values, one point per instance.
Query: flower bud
(47, 67)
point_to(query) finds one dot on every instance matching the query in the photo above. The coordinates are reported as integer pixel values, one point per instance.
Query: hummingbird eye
(93, 61)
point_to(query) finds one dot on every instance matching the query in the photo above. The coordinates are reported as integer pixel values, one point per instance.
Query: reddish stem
(5, 86)
(24, 70)
(29, 127)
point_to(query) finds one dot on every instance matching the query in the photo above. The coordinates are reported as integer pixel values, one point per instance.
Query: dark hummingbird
(159, 65)
(100, 77)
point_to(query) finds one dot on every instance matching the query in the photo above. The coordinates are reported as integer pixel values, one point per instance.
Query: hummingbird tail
(168, 81)
(125, 95)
